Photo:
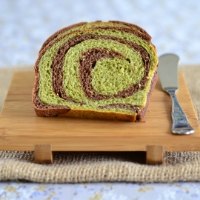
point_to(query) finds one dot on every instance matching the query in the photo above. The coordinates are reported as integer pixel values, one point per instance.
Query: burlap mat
(98, 167)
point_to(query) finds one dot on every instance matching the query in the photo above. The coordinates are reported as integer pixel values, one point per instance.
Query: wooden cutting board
(22, 130)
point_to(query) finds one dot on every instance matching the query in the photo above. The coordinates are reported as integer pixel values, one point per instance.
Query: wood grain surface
(21, 129)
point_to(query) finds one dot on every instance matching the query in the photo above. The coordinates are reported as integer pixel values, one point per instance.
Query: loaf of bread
(103, 70)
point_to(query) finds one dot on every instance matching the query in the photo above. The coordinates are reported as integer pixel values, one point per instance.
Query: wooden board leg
(43, 154)
(154, 154)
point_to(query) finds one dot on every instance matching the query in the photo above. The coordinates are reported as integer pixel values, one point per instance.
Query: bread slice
(103, 70)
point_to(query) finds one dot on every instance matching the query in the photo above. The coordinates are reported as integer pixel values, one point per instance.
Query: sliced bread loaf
(96, 70)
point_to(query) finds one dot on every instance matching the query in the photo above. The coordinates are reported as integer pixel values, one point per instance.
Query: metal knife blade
(168, 74)
(168, 70)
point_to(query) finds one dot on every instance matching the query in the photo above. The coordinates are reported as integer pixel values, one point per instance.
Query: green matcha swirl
(95, 66)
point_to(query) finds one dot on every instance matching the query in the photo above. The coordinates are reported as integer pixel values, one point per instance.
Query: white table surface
(25, 24)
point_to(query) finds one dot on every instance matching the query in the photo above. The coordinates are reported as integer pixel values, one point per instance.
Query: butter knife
(168, 74)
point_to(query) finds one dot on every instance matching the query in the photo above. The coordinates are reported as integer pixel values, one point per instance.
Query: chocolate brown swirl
(88, 60)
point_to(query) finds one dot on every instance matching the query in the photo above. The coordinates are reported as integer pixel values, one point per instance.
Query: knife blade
(168, 74)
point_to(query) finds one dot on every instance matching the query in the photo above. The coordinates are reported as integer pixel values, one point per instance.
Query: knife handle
(180, 124)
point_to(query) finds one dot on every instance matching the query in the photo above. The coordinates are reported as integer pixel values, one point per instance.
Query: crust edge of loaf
(85, 114)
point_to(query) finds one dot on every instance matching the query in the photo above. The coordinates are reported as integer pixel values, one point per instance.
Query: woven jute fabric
(99, 167)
